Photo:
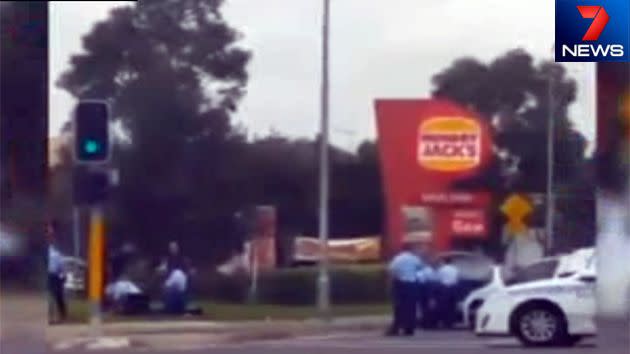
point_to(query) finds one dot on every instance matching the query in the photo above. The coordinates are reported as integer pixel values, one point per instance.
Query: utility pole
(323, 280)
(76, 230)
(550, 168)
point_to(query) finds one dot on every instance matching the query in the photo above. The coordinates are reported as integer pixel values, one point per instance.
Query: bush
(215, 286)
(356, 284)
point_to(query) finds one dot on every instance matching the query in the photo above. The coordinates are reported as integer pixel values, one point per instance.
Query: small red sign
(464, 199)
(468, 223)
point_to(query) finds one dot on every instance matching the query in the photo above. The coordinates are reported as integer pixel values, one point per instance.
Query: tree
(174, 74)
(512, 93)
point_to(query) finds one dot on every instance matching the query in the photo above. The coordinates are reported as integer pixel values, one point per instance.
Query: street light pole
(550, 169)
(323, 280)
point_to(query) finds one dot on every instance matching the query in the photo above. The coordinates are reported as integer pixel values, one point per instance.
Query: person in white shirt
(122, 288)
(56, 272)
(175, 291)
(448, 278)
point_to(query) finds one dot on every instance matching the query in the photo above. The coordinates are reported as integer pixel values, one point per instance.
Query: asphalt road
(456, 342)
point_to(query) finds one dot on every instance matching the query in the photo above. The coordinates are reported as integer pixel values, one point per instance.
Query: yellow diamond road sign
(516, 208)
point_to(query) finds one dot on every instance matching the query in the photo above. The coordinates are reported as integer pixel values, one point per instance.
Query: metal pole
(323, 281)
(76, 231)
(96, 268)
(253, 291)
(550, 167)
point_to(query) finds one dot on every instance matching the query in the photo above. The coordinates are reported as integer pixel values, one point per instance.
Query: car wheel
(541, 325)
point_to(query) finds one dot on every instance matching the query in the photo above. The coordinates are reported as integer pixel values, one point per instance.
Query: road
(456, 342)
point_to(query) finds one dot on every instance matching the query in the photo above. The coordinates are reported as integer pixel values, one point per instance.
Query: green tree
(516, 96)
(174, 73)
(512, 93)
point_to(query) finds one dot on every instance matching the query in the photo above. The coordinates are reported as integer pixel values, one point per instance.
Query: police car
(556, 309)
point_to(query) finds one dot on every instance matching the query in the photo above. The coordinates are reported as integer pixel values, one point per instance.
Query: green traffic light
(91, 146)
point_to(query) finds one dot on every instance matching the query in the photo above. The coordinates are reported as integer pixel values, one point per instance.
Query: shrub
(356, 284)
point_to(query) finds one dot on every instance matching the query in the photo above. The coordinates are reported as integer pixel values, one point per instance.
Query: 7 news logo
(592, 30)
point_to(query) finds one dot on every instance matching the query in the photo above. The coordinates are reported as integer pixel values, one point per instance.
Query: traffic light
(91, 132)
(90, 186)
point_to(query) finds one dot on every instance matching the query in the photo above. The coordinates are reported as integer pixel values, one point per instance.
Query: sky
(378, 49)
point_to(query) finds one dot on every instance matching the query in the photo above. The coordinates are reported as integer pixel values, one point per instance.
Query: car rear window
(534, 272)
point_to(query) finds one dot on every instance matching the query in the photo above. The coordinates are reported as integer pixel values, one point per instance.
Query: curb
(75, 331)
(212, 335)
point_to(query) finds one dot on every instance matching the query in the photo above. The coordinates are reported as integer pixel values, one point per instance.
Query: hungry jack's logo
(449, 144)
(592, 30)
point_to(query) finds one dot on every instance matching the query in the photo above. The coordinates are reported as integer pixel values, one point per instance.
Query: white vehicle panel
(573, 294)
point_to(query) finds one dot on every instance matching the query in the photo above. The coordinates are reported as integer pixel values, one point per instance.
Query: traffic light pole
(96, 268)
(91, 153)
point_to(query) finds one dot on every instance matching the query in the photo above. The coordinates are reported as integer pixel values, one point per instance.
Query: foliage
(360, 284)
(517, 96)
(174, 73)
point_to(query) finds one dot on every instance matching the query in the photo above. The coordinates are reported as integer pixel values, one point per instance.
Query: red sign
(263, 243)
(425, 147)
(455, 198)
(468, 222)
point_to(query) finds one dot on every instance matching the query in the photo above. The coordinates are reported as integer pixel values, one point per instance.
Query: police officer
(429, 283)
(56, 271)
(403, 271)
(448, 276)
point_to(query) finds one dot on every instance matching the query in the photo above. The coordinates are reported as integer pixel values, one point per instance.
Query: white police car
(556, 309)
(502, 275)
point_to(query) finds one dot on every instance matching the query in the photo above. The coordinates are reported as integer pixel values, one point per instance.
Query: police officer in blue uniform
(428, 279)
(448, 277)
(403, 271)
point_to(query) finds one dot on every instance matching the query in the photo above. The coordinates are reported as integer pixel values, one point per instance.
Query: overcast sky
(378, 49)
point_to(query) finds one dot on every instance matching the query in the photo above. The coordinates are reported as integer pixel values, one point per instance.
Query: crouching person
(175, 294)
(125, 297)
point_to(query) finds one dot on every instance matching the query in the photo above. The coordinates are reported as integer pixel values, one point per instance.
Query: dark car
(475, 271)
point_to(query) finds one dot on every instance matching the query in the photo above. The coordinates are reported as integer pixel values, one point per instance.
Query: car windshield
(472, 267)
(537, 271)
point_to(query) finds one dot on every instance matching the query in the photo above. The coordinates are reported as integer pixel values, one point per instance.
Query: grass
(214, 311)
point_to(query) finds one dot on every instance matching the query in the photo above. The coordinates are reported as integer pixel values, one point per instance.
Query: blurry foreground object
(613, 238)
(11, 244)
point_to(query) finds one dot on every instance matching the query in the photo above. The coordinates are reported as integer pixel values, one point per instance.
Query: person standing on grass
(56, 275)
(403, 272)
